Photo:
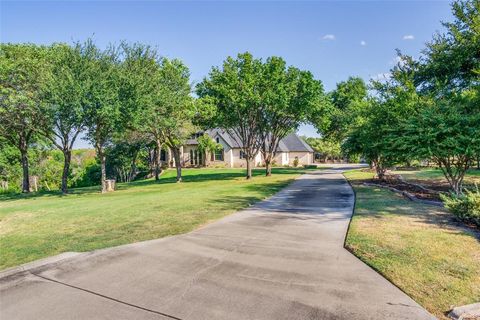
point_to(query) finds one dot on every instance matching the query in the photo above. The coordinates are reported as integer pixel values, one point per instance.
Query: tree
(23, 74)
(288, 98)
(140, 94)
(64, 98)
(448, 132)
(327, 148)
(236, 91)
(206, 145)
(102, 103)
(447, 129)
(349, 101)
(176, 108)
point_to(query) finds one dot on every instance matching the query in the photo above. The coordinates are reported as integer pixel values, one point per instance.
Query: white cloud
(381, 76)
(408, 37)
(329, 37)
(363, 43)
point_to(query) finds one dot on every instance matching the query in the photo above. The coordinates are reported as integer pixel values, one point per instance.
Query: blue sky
(333, 39)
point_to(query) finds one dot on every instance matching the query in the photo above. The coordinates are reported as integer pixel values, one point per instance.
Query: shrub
(310, 166)
(466, 206)
(295, 162)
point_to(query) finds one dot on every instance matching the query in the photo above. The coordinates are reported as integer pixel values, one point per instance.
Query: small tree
(207, 145)
(23, 74)
(448, 133)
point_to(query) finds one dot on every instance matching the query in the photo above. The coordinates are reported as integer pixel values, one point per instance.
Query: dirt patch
(419, 191)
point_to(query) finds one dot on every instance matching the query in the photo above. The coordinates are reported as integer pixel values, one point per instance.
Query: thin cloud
(408, 37)
(363, 43)
(329, 37)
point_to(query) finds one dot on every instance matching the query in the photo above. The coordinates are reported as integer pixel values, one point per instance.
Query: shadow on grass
(379, 204)
(188, 176)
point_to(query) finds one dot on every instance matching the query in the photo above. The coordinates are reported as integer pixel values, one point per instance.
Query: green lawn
(436, 175)
(417, 247)
(37, 226)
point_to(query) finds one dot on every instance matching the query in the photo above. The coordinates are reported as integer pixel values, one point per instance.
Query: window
(242, 155)
(218, 140)
(219, 155)
(191, 157)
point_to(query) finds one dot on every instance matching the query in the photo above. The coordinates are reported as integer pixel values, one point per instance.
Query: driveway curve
(280, 259)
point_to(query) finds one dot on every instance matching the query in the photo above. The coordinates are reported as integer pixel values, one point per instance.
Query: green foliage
(295, 162)
(466, 206)
(348, 104)
(88, 175)
(207, 144)
(327, 148)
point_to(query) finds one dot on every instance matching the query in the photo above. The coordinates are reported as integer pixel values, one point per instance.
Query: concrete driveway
(281, 259)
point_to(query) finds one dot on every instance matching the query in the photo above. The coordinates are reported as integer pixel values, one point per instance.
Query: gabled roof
(294, 143)
(290, 143)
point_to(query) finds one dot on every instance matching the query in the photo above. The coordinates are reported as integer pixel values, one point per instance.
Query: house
(231, 155)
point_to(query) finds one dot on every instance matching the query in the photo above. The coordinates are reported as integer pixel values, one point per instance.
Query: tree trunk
(249, 169)
(268, 167)
(67, 158)
(24, 156)
(158, 155)
(103, 161)
(178, 164)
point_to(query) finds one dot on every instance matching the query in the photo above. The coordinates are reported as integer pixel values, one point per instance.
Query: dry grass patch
(419, 248)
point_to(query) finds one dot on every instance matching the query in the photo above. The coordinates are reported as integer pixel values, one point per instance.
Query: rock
(110, 185)
(468, 312)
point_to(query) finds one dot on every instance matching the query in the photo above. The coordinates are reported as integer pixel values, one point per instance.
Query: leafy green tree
(141, 94)
(236, 91)
(348, 104)
(448, 132)
(288, 98)
(23, 74)
(327, 148)
(206, 145)
(64, 99)
(447, 128)
(176, 108)
(10, 168)
(102, 103)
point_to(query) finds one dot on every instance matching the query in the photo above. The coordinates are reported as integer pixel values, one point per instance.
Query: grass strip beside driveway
(419, 248)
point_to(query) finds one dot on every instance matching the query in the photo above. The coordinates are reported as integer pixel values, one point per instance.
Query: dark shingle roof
(290, 143)
(294, 143)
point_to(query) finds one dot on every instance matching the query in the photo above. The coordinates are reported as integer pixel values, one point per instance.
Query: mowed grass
(417, 247)
(37, 226)
(435, 175)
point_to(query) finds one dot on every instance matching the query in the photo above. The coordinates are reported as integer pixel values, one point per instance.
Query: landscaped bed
(37, 226)
(420, 248)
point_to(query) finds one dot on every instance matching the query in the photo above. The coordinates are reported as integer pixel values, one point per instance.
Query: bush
(466, 206)
(310, 166)
(295, 162)
(89, 176)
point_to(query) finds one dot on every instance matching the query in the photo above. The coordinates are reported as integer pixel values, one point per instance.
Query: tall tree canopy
(176, 108)
(102, 104)
(64, 97)
(259, 103)
(289, 97)
(23, 75)
(236, 91)
(348, 103)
